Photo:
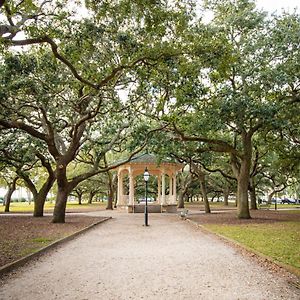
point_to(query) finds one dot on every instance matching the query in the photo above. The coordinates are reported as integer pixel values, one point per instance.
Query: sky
(277, 5)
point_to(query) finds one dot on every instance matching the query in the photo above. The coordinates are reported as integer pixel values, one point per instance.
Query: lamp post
(146, 178)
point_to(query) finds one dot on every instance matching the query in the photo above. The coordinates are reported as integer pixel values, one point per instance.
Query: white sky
(277, 5)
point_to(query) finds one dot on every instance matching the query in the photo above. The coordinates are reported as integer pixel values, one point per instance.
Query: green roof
(149, 158)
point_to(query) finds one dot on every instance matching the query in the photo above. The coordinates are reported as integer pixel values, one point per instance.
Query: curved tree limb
(54, 48)
(216, 145)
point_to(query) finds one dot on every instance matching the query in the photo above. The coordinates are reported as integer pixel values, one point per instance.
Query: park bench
(184, 213)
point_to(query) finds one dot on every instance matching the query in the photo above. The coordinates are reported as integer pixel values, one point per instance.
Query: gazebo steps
(152, 208)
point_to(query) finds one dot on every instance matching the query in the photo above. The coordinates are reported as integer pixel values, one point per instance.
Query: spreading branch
(216, 145)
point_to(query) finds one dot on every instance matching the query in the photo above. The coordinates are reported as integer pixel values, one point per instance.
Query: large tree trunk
(181, 199)
(241, 170)
(201, 175)
(115, 200)
(39, 203)
(185, 181)
(60, 205)
(91, 196)
(204, 193)
(111, 191)
(11, 189)
(252, 189)
(63, 190)
(8, 200)
(242, 191)
(110, 198)
(79, 198)
(226, 195)
(40, 199)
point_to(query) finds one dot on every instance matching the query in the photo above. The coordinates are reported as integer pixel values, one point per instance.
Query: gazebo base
(152, 208)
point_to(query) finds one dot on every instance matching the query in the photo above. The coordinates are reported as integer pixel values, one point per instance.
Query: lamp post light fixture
(146, 178)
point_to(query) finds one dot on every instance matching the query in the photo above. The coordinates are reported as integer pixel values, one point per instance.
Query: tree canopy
(86, 88)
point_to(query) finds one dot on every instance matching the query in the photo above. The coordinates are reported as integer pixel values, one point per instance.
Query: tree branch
(54, 48)
(24, 127)
(220, 146)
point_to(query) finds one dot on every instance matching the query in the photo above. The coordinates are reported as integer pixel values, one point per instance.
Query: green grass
(281, 206)
(296, 211)
(212, 204)
(41, 240)
(232, 205)
(26, 207)
(287, 206)
(279, 241)
(34, 245)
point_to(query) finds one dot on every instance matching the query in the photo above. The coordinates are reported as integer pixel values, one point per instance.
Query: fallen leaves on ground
(22, 235)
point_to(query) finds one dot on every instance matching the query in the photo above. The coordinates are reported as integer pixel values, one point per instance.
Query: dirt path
(121, 259)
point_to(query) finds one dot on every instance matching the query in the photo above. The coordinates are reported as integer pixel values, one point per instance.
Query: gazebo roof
(155, 165)
(150, 158)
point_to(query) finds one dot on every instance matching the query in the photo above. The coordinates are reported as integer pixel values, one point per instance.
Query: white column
(120, 188)
(163, 187)
(174, 189)
(131, 187)
(159, 188)
(170, 190)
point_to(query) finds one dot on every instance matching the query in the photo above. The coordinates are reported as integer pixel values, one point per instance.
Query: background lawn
(71, 206)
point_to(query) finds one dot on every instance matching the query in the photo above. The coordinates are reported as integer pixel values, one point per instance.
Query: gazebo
(161, 169)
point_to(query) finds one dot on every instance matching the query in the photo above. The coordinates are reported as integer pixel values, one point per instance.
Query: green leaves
(237, 74)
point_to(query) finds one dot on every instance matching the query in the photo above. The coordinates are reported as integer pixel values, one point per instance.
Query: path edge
(22, 261)
(288, 268)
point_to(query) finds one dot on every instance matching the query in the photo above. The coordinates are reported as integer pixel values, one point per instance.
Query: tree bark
(111, 191)
(39, 201)
(79, 198)
(60, 205)
(204, 193)
(39, 197)
(181, 199)
(241, 170)
(63, 190)
(242, 191)
(185, 181)
(252, 189)
(11, 189)
(110, 197)
(226, 195)
(115, 200)
(91, 196)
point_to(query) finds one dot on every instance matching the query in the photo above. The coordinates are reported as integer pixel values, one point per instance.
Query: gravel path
(121, 259)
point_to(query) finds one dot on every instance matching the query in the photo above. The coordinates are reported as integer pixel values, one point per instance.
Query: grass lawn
(213, 205)
(220, 205)
(275, 234)
(279, 241)
(25, 207)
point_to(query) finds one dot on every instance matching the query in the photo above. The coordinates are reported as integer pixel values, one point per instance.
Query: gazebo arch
(137, 167)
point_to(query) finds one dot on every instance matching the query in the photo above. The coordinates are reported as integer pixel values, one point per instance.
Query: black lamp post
(146, 178)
